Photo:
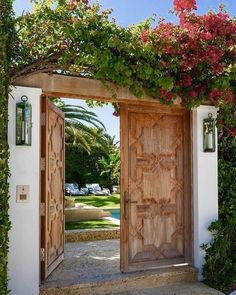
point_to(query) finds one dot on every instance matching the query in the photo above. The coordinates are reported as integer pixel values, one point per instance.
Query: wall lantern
(23, 122)
(209, 144)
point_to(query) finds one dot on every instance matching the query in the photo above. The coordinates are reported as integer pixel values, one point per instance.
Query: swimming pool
(115, 213)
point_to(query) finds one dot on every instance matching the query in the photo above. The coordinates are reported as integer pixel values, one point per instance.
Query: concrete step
(194, 288)
(130, 282)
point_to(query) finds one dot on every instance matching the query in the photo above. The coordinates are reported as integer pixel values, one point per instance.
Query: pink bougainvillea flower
(184, 5)
(233, 133)
(144, 36)
(193, 93)
(198, 48)
(218, 68)
(166, 95)
(187, 81)
(229, 97)
(215, 95)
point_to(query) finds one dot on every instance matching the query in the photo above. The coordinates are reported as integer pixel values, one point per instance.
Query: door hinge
(42, 254)
(43, 164)
(42, 209)
(43, 119)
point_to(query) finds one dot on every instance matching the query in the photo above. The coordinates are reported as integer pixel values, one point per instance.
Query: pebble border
(73, 236)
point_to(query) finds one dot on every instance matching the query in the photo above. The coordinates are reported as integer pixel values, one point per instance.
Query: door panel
(52, 187)
(156, 229)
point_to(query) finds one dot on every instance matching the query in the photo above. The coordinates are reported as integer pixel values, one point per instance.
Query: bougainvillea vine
(194, 59)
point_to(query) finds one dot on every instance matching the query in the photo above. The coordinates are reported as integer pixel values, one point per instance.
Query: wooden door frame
(82, 88)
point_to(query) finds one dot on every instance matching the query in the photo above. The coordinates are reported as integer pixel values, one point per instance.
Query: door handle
(131, 202)
(127, 202)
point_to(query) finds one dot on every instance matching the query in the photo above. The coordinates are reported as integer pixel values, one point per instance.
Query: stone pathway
(87, 262)
(93, 268)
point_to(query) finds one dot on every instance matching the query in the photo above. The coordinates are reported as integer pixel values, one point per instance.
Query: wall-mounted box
(22, 193)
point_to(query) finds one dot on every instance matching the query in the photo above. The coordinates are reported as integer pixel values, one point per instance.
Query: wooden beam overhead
(76, 87)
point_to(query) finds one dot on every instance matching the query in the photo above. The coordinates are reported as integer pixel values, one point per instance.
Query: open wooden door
(156, 187)
(52, 187)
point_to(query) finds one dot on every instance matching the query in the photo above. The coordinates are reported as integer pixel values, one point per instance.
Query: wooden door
(156, 187)
(52, 187)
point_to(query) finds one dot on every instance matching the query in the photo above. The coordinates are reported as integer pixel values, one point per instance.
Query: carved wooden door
(156, 176)
(52, 187)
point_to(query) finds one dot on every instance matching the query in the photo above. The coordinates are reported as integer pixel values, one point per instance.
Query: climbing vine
(194, 59)
(6, 33)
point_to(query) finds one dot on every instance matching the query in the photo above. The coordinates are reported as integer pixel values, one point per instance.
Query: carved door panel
(52, 187)
(156, 205)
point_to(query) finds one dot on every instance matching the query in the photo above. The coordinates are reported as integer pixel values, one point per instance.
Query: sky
(127, 12)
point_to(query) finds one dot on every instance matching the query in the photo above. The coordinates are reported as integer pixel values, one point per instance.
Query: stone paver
(195, 288)
(87, 262)
(93, 268)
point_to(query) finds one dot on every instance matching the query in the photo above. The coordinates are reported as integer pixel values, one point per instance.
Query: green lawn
(100, 223)
(100, 201)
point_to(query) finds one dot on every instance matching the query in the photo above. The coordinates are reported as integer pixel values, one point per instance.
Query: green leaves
(166, 83)
(74, 38)
(6, 40)
(220, 267)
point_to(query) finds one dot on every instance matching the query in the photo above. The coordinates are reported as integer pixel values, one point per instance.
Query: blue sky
(127, 12)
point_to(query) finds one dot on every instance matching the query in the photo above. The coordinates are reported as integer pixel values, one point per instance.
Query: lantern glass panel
(23, 123)
(209, 134)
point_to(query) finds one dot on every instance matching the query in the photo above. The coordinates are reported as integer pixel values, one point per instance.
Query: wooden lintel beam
(76, 87)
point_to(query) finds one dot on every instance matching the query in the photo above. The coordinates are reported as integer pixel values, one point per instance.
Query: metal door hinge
(43, 119)
(42, 209)
(42, 254)
(43, 164)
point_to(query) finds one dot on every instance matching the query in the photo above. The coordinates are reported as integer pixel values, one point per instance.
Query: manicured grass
(100, 223)
(100, 201)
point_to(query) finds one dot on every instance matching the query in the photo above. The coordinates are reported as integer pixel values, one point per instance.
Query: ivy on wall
(6, 34)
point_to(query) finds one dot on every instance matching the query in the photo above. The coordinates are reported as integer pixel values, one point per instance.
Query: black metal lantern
(23, 122)
(209, 144)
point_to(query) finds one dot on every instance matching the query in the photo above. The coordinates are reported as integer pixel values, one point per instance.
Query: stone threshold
(73, 236)
(129, 281)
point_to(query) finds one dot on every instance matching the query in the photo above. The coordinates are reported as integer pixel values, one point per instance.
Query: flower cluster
(193, 60)
(202, 49)
(181, 6)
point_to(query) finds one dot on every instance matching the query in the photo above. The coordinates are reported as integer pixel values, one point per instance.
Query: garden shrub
(220, 267)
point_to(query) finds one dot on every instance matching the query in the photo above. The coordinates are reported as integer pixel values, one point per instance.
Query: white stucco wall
(205, 185)
(25, 170)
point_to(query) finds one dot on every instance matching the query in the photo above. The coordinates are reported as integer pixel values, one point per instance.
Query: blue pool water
(115, 213)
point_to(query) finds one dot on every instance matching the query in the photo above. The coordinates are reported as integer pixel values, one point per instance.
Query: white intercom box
(22, 193)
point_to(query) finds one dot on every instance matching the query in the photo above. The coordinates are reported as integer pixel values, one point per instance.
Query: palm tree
(110, 164)
(82, 127)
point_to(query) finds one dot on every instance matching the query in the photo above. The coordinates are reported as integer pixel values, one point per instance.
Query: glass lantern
(209, 144)
(23, 122)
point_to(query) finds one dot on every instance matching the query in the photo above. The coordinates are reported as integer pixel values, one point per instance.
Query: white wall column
(205, 185)
(25, 170)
